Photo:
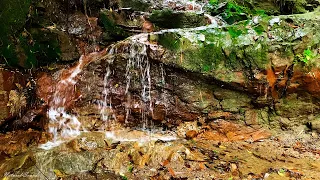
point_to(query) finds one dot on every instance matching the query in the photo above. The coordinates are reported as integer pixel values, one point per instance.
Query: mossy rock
(243, 47)
(170, 19)
(110, 22)
(22, 43)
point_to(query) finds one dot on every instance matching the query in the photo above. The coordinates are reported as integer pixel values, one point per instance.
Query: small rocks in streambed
(183, 128)
(234, 169)
(191, 134)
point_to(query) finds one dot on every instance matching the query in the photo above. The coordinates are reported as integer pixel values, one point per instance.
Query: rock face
(242, 72)
(10, 82)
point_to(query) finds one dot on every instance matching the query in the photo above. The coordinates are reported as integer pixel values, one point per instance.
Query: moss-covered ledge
(249, 47)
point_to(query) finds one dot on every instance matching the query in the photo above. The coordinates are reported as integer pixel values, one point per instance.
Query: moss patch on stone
(169, 19)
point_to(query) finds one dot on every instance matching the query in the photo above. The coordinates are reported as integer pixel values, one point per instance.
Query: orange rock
(261, 134)
(191, 134)
(213, 135)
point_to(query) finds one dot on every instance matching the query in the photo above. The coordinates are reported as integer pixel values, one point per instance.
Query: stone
(9, 82)
(191, 134)
(251, 117)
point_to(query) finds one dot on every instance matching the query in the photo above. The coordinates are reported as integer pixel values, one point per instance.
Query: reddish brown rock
(191, 134)
(227, 131)
(9, 80)
(159, 112)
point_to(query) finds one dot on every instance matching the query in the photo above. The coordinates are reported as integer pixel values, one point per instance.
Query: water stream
(64, 126)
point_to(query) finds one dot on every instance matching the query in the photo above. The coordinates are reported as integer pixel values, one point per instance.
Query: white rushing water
(62, 125)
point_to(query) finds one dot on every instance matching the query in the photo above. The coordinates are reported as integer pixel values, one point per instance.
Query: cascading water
(138, 79)
(138, 65)
(105, 106)
(62, 125)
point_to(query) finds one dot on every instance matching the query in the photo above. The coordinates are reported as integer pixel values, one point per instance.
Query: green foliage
(306, 56)
(130, 168)
(259, 29)
(234, 32)
(124, 178)
(13, 17)
(233, 11)
(213, 2)
(21, 45)
(260, 12)
(238, 29)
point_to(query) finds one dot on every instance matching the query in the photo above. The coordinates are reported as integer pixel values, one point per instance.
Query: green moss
(259, 29)
(234, 32)
(111, 29)
(169, 19)
(13, 16)
(170, 41)
(12, 20)
(205, 58)
(256, 55)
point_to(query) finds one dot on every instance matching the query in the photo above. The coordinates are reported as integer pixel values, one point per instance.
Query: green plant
(282, 170)
(259, 29)
(306, 56)
(124, 178)
(234, 9)
(130, 168)
(213, 2)
(234, 32)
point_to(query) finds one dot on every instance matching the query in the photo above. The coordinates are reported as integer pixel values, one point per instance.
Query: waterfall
(138, 65)
(105, 105)
(63, 125)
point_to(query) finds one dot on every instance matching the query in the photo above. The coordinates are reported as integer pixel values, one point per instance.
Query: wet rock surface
(97, 156)
(13, 95)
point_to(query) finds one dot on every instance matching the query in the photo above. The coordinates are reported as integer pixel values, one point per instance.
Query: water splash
(139, 136)
(62, 125)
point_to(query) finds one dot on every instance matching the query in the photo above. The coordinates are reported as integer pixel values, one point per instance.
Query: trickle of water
(105, 106)
(138, 66)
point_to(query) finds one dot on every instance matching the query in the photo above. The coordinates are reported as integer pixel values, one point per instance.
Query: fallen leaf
(165, 162)
(201, 165)
(58, 173)
(171, 171)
